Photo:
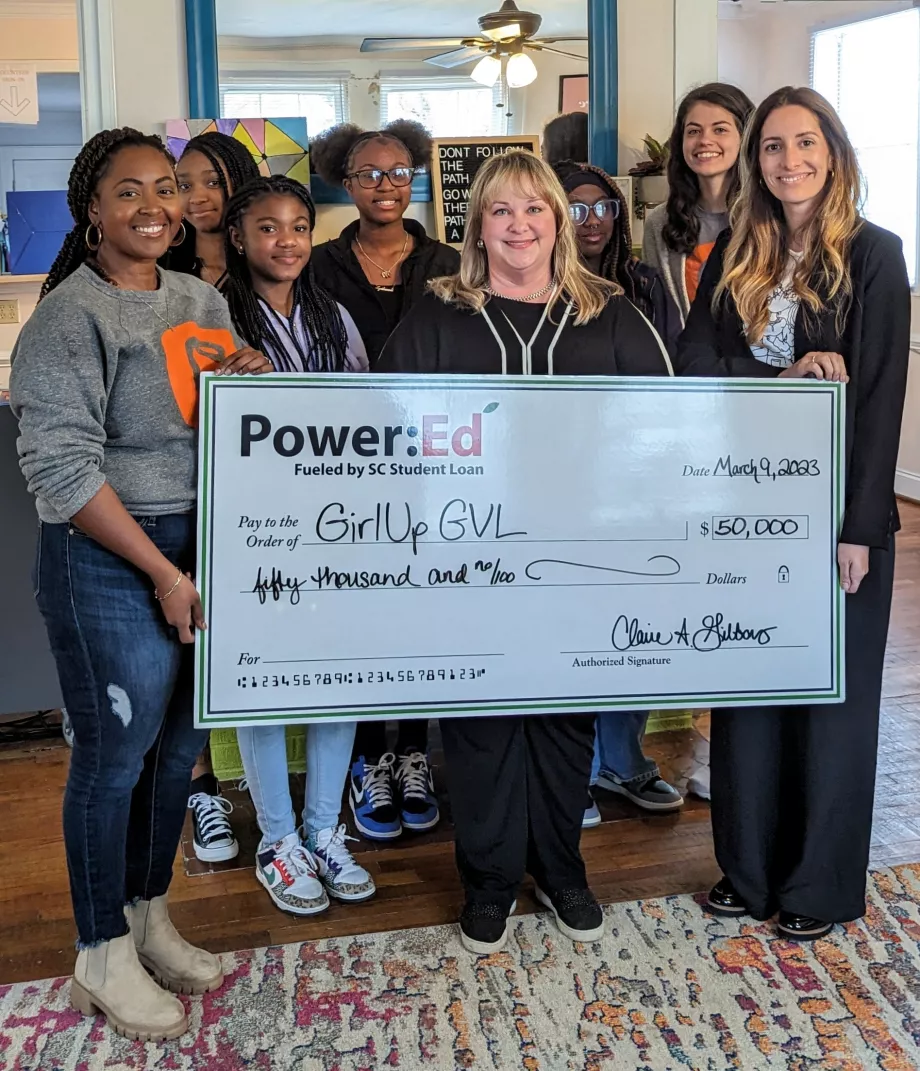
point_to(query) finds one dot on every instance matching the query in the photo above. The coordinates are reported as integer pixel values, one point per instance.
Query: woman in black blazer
(803, 287)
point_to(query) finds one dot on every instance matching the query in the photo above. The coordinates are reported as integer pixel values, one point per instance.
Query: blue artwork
(38, 223)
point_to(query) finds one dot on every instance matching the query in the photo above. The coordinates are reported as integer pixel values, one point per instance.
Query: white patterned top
(777, 347)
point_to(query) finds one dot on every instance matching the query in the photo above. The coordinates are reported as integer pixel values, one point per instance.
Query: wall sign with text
(454, 164)
(408, 546)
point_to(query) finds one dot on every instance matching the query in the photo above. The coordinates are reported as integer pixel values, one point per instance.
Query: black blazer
(874, 343)
(337, 270)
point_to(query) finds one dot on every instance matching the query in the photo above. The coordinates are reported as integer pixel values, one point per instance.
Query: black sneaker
(578, 915)
(213, 838)
(484, 927)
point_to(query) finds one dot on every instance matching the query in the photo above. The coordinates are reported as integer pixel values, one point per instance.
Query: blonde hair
(527, 173)
(756, 256)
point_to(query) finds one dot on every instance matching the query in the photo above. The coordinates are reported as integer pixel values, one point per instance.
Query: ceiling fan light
(504, 33)
(486, 71)
(521, 71)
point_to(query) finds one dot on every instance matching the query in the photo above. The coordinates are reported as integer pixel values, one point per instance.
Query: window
(323, 103)
(448, 107)
(870, 72)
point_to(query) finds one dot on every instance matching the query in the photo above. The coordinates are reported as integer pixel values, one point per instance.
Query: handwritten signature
(713, 633)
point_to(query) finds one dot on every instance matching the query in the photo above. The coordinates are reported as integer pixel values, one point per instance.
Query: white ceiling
(384, 18)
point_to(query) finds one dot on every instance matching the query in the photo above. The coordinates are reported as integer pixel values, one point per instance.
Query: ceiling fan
(507, 35)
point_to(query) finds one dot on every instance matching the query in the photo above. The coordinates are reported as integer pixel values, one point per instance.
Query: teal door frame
(603, 90)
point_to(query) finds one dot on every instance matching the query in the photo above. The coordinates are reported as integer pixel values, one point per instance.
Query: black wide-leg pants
(518, 791)
(793, 787)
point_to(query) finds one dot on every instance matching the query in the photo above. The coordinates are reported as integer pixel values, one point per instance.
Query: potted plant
(650, 174)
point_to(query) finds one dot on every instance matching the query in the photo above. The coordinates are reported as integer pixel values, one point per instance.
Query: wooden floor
(630, 855)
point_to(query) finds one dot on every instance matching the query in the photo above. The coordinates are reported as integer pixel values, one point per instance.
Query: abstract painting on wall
(279, 146)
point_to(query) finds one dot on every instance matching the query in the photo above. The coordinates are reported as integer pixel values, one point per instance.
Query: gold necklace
(530, 297)
(385, 273)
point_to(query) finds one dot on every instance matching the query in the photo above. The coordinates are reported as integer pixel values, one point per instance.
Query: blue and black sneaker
(418, 806)
(371, 798)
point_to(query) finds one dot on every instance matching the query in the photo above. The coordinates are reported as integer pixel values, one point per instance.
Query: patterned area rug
(668, 987)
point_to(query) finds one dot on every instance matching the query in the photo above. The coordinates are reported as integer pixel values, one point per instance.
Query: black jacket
(646, 290)
(439, 338)
(337, 270)
(874, 343)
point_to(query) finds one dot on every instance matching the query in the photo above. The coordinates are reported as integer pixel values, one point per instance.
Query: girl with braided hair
(104, 384)
(277, 305)
(211, 168)
(378, 269)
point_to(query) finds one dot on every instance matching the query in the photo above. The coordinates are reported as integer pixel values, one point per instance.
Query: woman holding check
(105, 387)
(522, 303)
(803, 287)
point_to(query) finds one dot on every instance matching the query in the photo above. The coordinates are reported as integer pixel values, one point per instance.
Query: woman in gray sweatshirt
(104, 384)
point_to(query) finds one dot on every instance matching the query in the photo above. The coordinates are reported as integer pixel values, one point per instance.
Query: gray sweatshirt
(104, 384)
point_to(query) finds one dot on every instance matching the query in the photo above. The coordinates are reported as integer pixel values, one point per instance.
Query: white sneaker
(288, 872)
(342, 876)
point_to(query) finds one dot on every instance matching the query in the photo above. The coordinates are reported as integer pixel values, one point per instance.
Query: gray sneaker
(654, 794)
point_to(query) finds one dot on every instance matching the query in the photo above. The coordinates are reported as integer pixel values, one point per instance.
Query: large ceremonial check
(400, 546)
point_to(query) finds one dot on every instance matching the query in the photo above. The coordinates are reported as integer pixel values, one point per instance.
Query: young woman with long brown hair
(804, 287)
(703, 181)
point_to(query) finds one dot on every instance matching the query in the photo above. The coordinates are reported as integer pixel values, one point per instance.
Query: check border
(212, 385)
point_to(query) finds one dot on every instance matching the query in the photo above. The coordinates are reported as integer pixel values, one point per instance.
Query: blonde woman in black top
(518, 785)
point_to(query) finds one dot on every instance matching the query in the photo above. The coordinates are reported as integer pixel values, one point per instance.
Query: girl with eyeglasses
(377, 269)
(601, 216)
(380, 264)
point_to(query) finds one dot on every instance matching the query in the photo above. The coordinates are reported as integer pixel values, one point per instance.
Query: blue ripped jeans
(127, 684)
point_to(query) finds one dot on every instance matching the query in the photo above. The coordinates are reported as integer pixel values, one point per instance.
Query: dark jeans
(127, 684)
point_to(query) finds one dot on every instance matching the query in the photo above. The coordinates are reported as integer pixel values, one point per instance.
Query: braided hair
(332, 154)
(321, 315)
(617, 256)
(234, 165)
(90, 166)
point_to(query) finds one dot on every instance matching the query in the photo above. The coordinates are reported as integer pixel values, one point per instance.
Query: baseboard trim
(907, 484)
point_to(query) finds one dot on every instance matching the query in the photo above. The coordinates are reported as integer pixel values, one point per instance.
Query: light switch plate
(9, 312)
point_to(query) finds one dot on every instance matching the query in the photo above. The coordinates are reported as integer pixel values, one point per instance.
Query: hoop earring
(89, 245)
(177, 240)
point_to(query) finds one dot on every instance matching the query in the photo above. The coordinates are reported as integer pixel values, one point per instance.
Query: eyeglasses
(580, 212)
(371, 178)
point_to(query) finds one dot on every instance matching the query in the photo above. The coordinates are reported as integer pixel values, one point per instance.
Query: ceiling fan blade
(405, 44)
(456, 58)
(553, 40)
(539, 47)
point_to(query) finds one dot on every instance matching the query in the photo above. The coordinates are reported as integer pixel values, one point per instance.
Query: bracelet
(161, 598)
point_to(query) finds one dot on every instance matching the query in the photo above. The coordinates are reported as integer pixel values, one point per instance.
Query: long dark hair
(682, 228)
(321, 315)
(90, 166)
(232, 161)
